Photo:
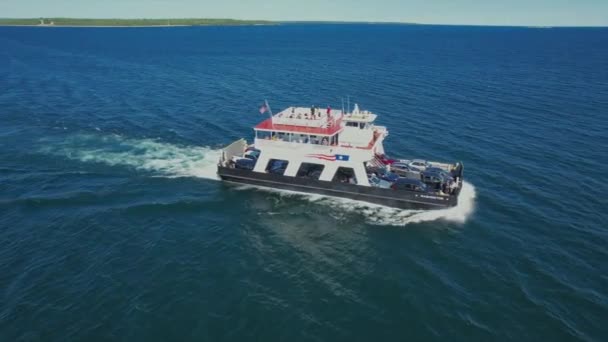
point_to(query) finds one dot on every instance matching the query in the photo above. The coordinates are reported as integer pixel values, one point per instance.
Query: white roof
(302, 116)
(363, 116)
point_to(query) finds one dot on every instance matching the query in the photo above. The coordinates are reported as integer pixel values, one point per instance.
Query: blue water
(113, 226)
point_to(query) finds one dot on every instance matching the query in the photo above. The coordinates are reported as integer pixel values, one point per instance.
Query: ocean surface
(114, 227)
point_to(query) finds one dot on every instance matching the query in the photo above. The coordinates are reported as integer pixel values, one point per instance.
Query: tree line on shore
(127, 22)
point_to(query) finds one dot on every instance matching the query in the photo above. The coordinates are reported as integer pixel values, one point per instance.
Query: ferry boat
(337, 153)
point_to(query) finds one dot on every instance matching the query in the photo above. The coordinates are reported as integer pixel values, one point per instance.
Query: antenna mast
(348, 101)
(270, 112)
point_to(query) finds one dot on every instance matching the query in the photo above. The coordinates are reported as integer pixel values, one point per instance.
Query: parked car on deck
(401, 167)
(252, 154)
(419, 164)
(404, 170)
(409, 184)
(378, 182)
(435, 172)
(386, 175)
(244, 163)
(278, 167)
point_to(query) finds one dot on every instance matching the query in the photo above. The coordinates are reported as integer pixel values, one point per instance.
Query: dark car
(440, 171)
(278, 167)
(434, 169)
(314, 174)
(436, 176)
(387, 176)
(244, 163)
(252, 154)
(409, 184)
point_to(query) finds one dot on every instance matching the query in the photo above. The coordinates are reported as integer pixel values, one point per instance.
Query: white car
(419, 164)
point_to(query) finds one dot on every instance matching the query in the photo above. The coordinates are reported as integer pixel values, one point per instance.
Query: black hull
(388, 197)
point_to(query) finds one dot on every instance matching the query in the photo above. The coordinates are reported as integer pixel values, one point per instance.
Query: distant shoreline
(77, 22)
(186, 22)
(127, 26)
(109, 26)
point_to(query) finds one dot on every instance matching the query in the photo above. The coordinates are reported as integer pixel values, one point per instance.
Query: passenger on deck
(453, 187)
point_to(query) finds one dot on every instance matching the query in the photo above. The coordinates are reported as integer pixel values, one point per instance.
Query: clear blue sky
(482, 12)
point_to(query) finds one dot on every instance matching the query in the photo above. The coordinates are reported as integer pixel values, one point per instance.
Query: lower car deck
(387, 197)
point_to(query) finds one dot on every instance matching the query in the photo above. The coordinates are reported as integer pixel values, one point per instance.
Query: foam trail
(142, 154)
(458, 214)
(187, 161)
(377, 214)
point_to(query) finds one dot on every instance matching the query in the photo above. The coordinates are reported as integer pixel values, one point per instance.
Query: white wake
(382, 215)
(170, 160)
(142, 154)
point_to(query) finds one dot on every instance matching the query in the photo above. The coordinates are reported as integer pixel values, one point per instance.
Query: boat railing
(315, 122)
(320, 143)
(318, 120)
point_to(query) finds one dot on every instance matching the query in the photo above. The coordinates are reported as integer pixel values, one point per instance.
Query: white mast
(348, 103)
(270, 113)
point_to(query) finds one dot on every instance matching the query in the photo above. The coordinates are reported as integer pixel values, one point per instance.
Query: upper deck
(314, 126)
(323, 122)
(359, 117)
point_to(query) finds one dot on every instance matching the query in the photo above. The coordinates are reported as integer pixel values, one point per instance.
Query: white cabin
(324, 144)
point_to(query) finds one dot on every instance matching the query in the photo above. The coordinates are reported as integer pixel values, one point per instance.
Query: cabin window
(352, 124)
(345, 175)
(300, 138)
(282, 136)
(324, 141)
(310, 170)
(263, 135)
(277, 166)
(277, 136)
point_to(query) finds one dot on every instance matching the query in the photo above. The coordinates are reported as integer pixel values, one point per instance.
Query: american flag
(263, 108)
(329, 157)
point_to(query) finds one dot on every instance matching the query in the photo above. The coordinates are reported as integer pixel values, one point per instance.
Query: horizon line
(315, 21)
